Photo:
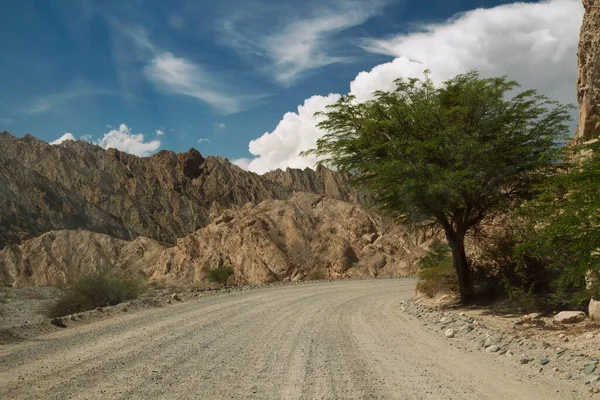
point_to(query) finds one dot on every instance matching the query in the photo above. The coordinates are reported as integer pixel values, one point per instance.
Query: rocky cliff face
(305, 237)
(588, 81)
(323, 181)
(164, 197)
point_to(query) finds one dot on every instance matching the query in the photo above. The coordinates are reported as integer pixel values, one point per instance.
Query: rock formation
(164, 197)
(588, 81)
(71, 209)
(305, 237)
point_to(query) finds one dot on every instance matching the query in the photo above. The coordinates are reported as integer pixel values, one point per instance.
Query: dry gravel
(338, 340)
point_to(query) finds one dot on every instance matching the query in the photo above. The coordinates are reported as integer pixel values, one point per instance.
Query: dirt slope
(342, 340)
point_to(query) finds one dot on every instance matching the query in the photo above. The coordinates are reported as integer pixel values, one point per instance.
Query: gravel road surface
(338, 340)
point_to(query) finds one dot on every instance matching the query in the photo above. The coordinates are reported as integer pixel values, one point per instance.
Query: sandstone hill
(305, 237)
(73, 208)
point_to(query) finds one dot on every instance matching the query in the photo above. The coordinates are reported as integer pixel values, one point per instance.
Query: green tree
(448, 155)
(564, 226)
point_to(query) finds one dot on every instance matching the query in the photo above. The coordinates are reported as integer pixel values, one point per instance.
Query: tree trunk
(461, 265)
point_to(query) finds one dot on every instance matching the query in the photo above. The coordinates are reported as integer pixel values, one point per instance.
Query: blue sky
(229, 77)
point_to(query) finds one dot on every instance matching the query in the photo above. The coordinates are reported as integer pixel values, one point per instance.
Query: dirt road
(342, 340)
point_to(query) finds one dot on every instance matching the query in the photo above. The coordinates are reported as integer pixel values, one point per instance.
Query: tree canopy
(448, 155)
(564, 221)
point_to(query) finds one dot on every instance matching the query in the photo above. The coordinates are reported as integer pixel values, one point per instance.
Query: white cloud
(219, 126)
(123, 139)
(86, 138)
(534, 43)
(48, 102)
(159, 132)
(66, 136)
(203, 140)
(181, 76)
(299, 45)
(296, 132)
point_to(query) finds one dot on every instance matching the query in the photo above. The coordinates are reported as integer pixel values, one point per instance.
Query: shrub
(564, 220)
(220, 274)
(436, 271)
(97, 290)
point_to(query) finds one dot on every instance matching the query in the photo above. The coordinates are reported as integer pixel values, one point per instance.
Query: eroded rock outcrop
(164, 197)
(588, 81)
(305, 237)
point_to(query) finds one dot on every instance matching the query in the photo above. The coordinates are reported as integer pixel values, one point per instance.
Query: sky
(242, 79)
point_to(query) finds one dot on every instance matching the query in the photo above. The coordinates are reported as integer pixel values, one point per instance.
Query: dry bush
(97, 290)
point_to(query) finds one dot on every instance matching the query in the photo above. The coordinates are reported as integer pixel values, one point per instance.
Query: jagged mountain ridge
(78, 185)
(304, 237)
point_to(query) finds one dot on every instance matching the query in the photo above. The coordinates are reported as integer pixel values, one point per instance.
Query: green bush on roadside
(97, 290)
(436, 272)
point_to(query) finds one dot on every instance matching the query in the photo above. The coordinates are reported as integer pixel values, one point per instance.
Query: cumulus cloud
(159, 132)
(66, 136)
(298, 45)
(533, 43)
(123, 139)
(294, 133)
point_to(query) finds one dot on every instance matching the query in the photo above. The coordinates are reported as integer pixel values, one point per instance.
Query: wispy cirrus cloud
(181, 76)
(178, 74)
(49, 101)
(296, 45)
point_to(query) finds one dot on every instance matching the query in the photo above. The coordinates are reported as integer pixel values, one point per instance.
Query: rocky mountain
(164, 197)
(75, 208)
(588, 81)
(305, 237)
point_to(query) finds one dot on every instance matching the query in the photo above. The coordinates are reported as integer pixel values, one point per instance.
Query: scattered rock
(589, 336)
(569, 317)
(589, 368)
(491, 340)
(544, 361)
(449, 333)
(468, 328)
(176, 297)
(530, 317)
(526, 360)
(493, 348)
(58, 322)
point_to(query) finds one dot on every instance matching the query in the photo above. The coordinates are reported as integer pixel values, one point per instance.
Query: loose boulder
(594, 310)
(569, 317)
